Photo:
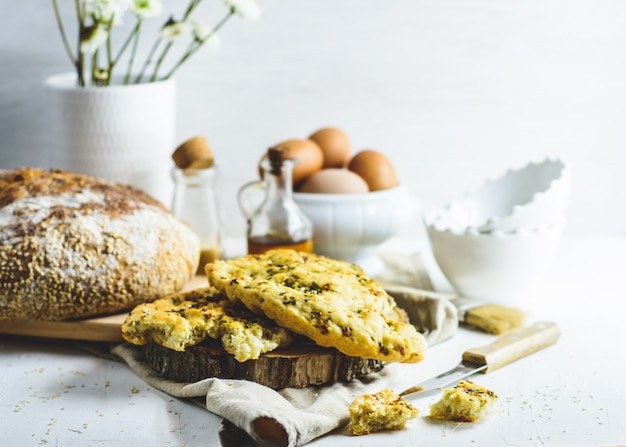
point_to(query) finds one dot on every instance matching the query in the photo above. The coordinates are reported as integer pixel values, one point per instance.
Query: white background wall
(452, 91)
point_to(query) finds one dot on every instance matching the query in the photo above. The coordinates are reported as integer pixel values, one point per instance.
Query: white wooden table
(573, 393)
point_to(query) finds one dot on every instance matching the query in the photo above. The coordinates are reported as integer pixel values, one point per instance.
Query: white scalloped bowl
(532, 196)
(352, 226)
(498, 267)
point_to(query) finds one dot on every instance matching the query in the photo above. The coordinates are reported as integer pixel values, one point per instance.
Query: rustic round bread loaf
(75, 246)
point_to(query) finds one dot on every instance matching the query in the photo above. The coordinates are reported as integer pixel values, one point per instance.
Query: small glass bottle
(278, 222)
(195, 203)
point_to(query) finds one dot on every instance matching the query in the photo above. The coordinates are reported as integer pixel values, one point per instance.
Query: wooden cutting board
(292, 367)
(106, 328)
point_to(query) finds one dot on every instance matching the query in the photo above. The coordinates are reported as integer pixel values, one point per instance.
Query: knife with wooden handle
(505, 349)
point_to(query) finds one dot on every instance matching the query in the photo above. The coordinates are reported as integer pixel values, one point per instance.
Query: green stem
(110, 62)
(192, 45)
(160, 60)
(193, 4)
(66, 43)
(148, 61)
(133, 53)
(80, 62)
(130, 37)
(192, 50)
(94, 67)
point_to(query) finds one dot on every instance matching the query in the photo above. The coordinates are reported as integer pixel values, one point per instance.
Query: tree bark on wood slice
(295, 367)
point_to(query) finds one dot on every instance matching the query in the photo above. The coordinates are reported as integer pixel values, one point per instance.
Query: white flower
(106, 11)
(97, 20)
(202, 31)
(95, 37)
(145, 9)
(247, 9)
(173, 29)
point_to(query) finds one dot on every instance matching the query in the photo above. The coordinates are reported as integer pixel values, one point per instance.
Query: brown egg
(375, 169)
(335, 145)
(334, 181)
(308, 158)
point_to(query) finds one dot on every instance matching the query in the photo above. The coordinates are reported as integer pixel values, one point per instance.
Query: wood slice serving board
(300, 365)
(106, 328)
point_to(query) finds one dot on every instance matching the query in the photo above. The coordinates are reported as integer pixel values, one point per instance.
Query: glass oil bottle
(278, 222)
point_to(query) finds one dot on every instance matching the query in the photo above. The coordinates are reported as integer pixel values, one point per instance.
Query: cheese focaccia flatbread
(186, 319)
(332, 302)
(466, 402)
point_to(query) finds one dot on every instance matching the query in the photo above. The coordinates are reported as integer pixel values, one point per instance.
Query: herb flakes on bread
(186, 319)
(333, 302)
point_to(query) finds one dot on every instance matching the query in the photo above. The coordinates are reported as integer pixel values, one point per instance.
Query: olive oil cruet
(278, 222)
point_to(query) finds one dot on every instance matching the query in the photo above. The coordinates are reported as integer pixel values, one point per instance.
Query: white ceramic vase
(124, 133)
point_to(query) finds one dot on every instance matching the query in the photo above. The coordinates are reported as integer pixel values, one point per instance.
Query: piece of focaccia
(186, 319)
(384, 410)
(332, 302)
(466, 402)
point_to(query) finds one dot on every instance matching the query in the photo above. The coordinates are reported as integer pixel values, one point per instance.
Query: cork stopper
(276, 156)
(194, 153)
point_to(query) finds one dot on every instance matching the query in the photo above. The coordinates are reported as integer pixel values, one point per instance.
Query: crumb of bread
(384, 410)
(466, 402)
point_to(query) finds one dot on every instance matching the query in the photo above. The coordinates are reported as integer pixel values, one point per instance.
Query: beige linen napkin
(289, 417)
(257, 415)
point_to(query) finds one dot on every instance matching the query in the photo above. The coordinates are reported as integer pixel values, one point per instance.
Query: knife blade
(505, 349)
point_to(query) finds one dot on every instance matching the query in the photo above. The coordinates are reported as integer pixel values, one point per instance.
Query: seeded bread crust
(75, 246)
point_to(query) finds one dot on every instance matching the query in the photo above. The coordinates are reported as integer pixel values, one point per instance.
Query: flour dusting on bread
(72, 246)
